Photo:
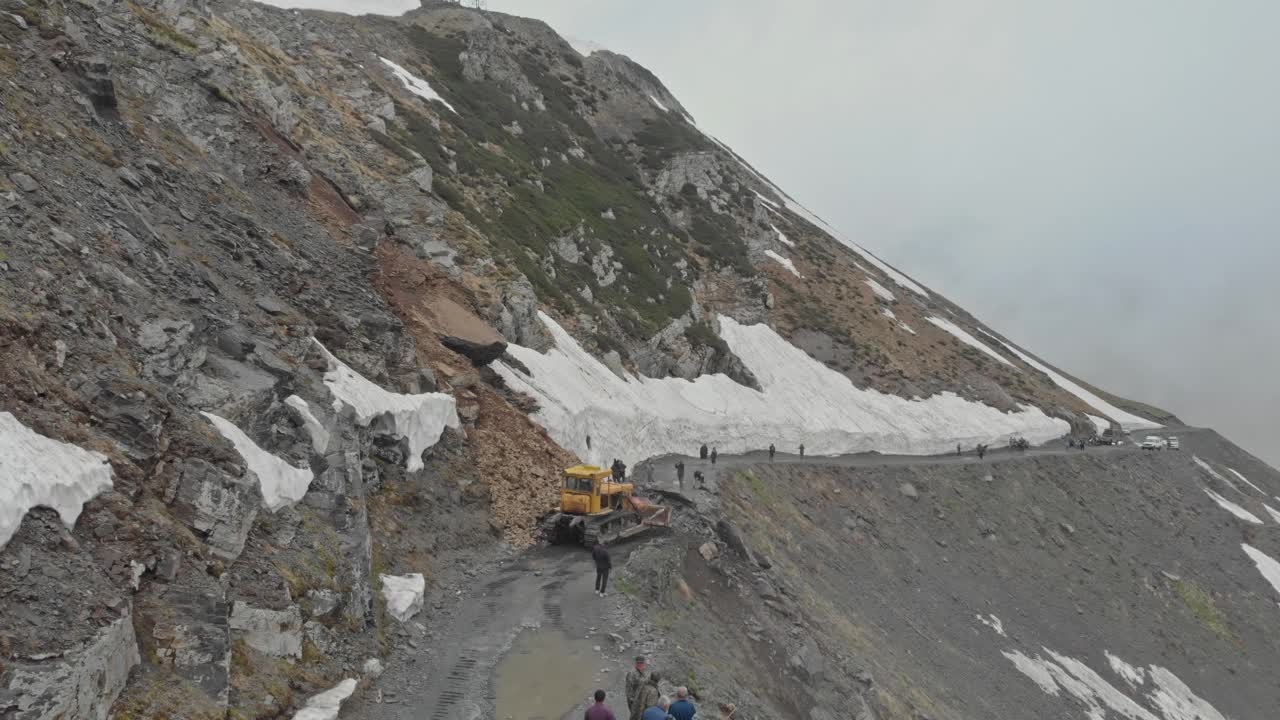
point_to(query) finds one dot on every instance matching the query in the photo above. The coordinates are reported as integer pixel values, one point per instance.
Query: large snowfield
(802, 401)
(40, 471)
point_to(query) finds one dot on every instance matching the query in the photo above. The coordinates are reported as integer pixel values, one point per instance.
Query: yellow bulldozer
(595, 508)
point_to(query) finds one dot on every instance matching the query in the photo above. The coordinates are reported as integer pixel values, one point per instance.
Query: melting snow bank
(1169, 697)
(1245, 480)
(420, 419)
(319, 436)
(1127, 421)
(326, 705)
(39, 471)
(963, 336)
(781, 238)
(403, 594)
(1233, 508)
(784, 262)
(1100, 424)
(801, 401)
(880, 290)
(282, 484)
(416, 85)
(1269, 568)
(1213, 473)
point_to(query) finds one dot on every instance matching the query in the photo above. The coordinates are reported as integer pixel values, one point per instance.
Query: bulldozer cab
(587, 490)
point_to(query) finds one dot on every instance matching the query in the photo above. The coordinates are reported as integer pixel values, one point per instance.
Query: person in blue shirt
(659, 711)
(682, 709)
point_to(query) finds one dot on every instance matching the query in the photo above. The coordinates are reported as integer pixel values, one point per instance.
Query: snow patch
(326, 705)
(282, 484)
(1166, 694)
(658, 104)
(773, 205)
(880, 290)
(1135, 676)
(403, 594)
(39, 471)
(319, 436)
(781, 238)
(1233, 508)
(888, 312)
(906, 327)
(420, 419)
(992, 622)
(416, 85)
(1100, 424)
(1245, 480)
(1213, 473)
(784, 262)
(1127, 421)
(1269, 568)
(963, 336)
(635, 417)
(1275, 514)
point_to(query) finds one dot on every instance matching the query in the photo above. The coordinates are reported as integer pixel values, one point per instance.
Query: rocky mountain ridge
(330, 233)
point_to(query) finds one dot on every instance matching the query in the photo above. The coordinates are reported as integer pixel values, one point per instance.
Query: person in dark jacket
(604, 563)
(680, 473)
(702, 452)
(714, 454)
(801, 449)
(772, 450)
(599, 711)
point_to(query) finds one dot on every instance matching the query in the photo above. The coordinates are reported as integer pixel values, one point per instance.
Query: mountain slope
(337, 298)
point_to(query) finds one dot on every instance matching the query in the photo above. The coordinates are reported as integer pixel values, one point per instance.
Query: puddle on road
(544, 676)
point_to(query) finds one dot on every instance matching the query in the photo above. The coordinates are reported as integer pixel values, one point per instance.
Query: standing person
(636, 678)
(588, 442)
(647, 697)
(682, 709)
(713, 456)
(772, 450)
(702, 452)
(599, 711)
(957, 449)
(680, 473)
(801, 449)
(604, 563)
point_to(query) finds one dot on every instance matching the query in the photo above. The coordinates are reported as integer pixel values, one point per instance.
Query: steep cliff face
(279, 270)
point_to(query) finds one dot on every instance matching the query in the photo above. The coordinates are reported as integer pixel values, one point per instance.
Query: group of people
(980, 450)
(646, 702)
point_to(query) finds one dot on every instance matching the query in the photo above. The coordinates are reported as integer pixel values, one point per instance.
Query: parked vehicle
(1174, 443)
(1155, 442)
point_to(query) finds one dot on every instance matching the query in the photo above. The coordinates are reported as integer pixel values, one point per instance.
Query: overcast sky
(1098, 180)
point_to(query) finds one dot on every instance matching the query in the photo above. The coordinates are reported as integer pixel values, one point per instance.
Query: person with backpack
(647, 697)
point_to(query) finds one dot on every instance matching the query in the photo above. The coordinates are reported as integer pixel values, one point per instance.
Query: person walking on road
(713, 456)
(636, 678)
(801, 449)
(772, 450)
(604, 563)
(599, 711)
(647, 697)
(682, 709)
(702, 452)
(680, 473)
